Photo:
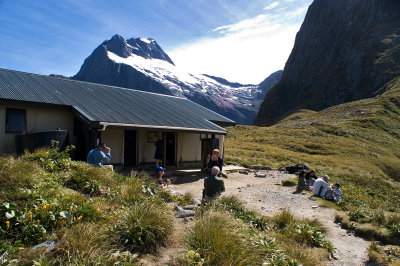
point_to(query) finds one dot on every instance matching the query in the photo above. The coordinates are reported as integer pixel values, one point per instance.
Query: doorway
(170, 155)
(207, 146)
(130, 148)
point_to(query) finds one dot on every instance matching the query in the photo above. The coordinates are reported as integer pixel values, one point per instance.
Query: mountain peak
(147, 48)
(117, 45)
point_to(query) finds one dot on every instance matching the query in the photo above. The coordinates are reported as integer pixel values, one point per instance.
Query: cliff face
(346, 50)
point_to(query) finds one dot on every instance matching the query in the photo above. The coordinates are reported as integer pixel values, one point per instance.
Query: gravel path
(268, 197)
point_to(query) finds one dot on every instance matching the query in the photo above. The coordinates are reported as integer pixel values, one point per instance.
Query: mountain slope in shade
(141, 64)
(346, 50)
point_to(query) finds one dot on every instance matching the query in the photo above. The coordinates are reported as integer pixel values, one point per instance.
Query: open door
(130, 148)
(170, 148)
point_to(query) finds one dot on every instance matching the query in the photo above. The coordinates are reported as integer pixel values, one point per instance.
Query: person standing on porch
(216, 160)
(99, 155)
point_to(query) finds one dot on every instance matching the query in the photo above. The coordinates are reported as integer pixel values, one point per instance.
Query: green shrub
(395, 233)
(357, 214)
(379, 217)
(144, 227)
(191, 258)
(20, 225)
(51, 159)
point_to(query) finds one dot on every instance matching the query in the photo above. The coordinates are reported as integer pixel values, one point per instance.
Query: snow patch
(148, 41)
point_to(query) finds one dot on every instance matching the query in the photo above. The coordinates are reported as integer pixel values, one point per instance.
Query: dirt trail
(268, 197)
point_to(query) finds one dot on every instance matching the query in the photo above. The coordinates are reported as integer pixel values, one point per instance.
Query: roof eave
(156, 127)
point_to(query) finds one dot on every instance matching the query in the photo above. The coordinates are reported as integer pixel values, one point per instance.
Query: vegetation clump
(95, 216)
(227, 229)
(143, 227)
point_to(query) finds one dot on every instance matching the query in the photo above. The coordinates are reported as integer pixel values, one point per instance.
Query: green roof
(109, 105)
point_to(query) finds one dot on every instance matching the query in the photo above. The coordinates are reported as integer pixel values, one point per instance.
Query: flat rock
(179, 208)
(256, 167)
(49, 245)
(184, 213)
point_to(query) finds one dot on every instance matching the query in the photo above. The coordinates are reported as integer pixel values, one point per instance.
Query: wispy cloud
(271, 6)
(247, 51)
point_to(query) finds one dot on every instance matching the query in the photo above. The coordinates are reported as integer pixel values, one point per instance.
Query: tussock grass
(186, 199)
(283, 219)
(237, 209)
(302, 239)
(222, 240)
(297, 240)
(289, 182)
(16, 173)
(132, 190)
(144, 227)
(84, 243)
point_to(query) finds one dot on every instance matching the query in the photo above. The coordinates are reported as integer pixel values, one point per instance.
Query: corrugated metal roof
(108, 104)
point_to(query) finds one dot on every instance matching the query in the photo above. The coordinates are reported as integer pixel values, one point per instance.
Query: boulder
(196, 201)
(260, 174)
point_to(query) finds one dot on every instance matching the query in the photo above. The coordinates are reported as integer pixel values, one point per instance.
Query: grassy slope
(356, 143)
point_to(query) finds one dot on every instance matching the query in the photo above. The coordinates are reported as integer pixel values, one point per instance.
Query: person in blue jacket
(99, 155)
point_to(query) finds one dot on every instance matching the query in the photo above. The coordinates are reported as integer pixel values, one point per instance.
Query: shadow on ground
(189, 178)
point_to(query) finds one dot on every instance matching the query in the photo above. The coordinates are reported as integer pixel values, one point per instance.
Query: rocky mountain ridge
(346, 50)
(141, 64)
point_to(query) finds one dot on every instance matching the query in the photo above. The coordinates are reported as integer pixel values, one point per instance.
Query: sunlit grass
(356, 144)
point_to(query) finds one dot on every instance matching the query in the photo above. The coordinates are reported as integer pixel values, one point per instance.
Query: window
(15, 121)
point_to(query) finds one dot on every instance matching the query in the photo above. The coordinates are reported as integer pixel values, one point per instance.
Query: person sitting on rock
(159, 174)
(213, 186)
(216, 160)
(311, 177)
(320, 185)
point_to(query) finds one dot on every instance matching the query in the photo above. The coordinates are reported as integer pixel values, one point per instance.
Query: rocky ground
(267, 196)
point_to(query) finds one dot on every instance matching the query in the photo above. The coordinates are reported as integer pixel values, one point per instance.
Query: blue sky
(240, 40)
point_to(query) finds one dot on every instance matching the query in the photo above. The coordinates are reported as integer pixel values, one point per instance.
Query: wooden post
(164, 150)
